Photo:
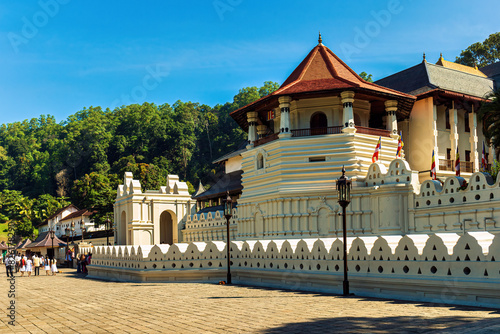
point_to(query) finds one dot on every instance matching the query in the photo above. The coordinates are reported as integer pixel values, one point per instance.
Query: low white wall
(445, 268)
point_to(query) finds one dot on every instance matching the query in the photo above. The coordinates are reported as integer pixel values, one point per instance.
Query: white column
(453, 130)
(473, 140)
(391, 106)
(435, 134)
(348, 112)
(285, 116)
(252, 124)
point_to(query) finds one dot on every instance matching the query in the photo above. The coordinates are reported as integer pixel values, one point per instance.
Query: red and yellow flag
(433, 167)
(377, 150)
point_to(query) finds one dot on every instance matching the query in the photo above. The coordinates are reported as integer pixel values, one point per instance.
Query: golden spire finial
(424, 57)
(440, 55)
(320, 40)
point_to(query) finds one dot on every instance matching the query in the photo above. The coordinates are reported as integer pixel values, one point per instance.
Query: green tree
(268, 88)
(365, 76)
(481, 54)
(94, 191)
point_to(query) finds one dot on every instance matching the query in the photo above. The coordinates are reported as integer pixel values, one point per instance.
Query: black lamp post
(52, 235)
(67, 239)
(344, 193)
(72, 233)
(228, 213)
(107, 230)
(83, 230)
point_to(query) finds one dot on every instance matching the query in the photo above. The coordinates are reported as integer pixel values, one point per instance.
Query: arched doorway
(166, 228)
(122, 236)
(318, 124)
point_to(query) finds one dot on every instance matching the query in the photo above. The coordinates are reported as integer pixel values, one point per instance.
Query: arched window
(260, 161)
(319, 124)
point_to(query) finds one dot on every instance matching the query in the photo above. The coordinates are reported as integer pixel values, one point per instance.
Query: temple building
(325, 117)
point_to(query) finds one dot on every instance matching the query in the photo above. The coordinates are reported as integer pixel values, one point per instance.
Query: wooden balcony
(449, 165)
(446, 165)
(317, 131)
(467, 166)
(373, 131)
(264, 140)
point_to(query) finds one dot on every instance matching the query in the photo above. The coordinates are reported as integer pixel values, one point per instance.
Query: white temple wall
(442, 267)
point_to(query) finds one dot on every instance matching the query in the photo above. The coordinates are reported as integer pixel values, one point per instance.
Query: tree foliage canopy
(481, 54)
(42, 162)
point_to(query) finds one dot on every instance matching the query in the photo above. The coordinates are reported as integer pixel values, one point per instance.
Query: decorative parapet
(456, 205)
(131, 186)
(473, 256)
(209, 226)
(399, 172)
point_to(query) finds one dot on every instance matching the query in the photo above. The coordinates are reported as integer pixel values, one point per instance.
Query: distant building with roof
(448, 97)
(65, 218)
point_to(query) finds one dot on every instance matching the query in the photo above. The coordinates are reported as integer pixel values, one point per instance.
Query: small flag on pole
(457, 164)
(400, 145)
(377, 150)
(433, 167)
(483, 159)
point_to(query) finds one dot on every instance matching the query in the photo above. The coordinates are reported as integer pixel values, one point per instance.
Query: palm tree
(490, 115)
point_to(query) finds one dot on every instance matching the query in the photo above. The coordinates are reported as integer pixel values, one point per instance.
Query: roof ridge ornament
(320, 40)
(424, 58)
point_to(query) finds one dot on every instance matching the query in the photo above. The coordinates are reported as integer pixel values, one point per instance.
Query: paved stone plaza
(68, 303)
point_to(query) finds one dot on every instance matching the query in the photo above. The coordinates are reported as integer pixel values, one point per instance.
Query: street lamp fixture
(52, 235)
(72, 232)
(228, 213)
(108, 223)
(344, 198)
(84, 229)
(67, 238)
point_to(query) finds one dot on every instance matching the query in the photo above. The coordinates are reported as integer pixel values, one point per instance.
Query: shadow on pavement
(353, 324)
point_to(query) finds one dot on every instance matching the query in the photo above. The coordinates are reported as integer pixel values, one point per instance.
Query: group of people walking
(28, 264)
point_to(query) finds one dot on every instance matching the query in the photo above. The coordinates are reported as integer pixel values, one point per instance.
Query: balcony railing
(265, 140)
(467, 166)
(446, 165)
(323, 131)
(373, 131)
(449, 165)
(317, 131)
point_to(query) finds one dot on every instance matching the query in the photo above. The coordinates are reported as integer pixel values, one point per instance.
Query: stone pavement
(70, 303)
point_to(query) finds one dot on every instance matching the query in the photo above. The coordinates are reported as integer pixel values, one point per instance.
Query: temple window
(260, 161)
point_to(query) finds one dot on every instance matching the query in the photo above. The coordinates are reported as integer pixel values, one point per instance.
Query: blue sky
(58, 56)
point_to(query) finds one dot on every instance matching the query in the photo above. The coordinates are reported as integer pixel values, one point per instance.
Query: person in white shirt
(53, 266)
(18, 262)
(29, 266)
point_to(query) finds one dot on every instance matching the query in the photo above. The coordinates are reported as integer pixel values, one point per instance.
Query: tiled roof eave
(449, 93)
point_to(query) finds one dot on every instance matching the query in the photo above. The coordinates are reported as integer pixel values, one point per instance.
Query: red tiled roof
(47, 242)
(323, 71)
(322, 65)
(59, 211)
(78, 213)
